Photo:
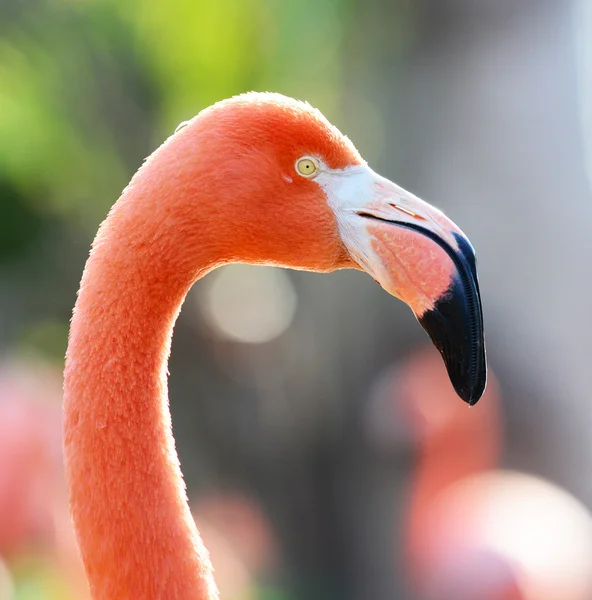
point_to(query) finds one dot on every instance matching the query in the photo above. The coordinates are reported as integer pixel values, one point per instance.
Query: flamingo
(259, 178)
(474, 530)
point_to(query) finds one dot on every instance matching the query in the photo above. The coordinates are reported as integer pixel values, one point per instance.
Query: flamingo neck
(127, 496)
(211, 194)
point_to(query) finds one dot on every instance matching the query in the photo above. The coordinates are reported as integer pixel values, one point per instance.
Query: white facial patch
(359, 190)
(371, 214)
(347, 191)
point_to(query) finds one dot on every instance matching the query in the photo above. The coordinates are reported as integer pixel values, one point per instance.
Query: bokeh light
(249, 304)
(537, 526)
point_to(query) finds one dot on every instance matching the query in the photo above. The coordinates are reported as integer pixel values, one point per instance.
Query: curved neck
(127, 497)
(207, 196)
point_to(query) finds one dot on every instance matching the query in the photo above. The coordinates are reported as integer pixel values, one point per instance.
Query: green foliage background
(88, 89)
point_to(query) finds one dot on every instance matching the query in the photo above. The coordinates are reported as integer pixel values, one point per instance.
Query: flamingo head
(293, 191)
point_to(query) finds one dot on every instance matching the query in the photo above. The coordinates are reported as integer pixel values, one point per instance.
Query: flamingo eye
(307, 166)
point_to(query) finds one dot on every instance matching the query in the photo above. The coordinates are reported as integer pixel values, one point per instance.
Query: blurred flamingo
(474, 531)
(30, 455)
(262, 179)
(35, 529)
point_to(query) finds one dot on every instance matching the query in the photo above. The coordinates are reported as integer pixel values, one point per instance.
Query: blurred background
(325, 452)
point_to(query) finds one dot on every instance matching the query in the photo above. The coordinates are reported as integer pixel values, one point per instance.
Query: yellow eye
(307, 167)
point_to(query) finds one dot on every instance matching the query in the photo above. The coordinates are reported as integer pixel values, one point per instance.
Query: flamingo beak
(420, 256)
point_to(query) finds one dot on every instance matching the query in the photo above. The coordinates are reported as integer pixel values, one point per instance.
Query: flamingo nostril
(407, 211)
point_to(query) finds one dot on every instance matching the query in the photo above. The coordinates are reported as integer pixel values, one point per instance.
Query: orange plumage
(184, 212)
(222, 189)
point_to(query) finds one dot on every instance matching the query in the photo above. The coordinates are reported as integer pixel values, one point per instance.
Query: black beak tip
(472, 395)
(455, 326)
(463, 352)
(455, 323)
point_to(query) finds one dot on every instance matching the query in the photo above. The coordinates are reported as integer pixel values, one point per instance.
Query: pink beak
(420, 256)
